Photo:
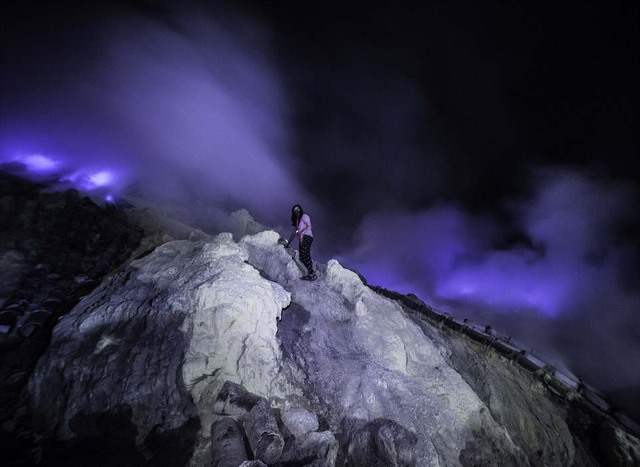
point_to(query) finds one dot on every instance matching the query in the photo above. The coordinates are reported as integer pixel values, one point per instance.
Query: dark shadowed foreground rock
(266, 431)
(227, 443)
(55, 247)
(379, 442)
(263, 433)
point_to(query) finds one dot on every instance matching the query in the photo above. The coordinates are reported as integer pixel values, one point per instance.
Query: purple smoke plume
(187, 110)
(184, 113)
(563, 291)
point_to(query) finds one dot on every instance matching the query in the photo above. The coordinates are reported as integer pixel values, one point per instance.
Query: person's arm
(294, 231)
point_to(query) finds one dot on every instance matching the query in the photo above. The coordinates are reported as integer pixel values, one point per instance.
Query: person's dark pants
(305, 253)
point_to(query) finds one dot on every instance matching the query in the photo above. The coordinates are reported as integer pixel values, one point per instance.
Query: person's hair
(295, 218)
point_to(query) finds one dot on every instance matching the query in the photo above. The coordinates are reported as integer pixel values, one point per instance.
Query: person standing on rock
(301, 226)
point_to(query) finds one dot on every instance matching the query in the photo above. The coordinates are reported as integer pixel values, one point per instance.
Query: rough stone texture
(322, 445)
(227, 443)
(299, 421)
(549, 428)
(364, 358)
(121, 347)
(139, 370)
(160, 338)
(379, 442)
(618, 447)
(268, 435)
(314, 448)
(234, 399)
(263, 433)
(368, 358)
(522, 405)
(254, 463)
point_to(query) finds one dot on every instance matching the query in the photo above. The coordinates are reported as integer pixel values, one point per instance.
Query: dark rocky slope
(55, 247)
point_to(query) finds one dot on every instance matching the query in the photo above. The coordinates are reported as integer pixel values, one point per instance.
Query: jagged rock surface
(159, 339)
(364, 358)
(143, 370)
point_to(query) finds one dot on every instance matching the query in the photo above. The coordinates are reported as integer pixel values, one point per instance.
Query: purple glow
(63, 174)
(207, 113)
(196, 129)
(565, 298)
(88, 181)
(101, 178)
(399, 250)
(39, 163)
(508, 283)
(446, 254)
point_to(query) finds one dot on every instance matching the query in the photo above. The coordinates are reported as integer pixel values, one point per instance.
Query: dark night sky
(496, 89)
(483, 156)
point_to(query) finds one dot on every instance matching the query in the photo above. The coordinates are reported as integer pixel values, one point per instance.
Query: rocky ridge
(205, 350)
(157, 342)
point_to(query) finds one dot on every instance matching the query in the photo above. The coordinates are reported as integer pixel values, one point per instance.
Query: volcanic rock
(167, 342)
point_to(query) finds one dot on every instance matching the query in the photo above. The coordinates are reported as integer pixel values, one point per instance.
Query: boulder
(263, 433)
(380, 442)
(299, 421)
(234, 399)
(314, 448)
(227, 443)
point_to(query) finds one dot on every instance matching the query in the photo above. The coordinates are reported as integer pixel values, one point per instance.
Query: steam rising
(563, 291)
(190, 110)
(185, 110)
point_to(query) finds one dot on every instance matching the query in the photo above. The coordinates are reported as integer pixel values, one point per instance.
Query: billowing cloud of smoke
(571, 222)
(564, 290)
(187, 113)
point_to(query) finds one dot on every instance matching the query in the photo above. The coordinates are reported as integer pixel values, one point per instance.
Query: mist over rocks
(242, 108)
(191, 342)
(147, 367)
(215, 107)
(564, 281)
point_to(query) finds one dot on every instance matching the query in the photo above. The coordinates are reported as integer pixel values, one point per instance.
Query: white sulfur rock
(156, 341)
(365, 358)
(192, 314)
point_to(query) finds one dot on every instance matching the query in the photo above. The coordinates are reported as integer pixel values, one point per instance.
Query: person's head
(296, 214)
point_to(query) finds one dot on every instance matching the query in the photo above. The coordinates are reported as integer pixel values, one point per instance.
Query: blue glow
(92, 180)
(39, 163)
(99, 179)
